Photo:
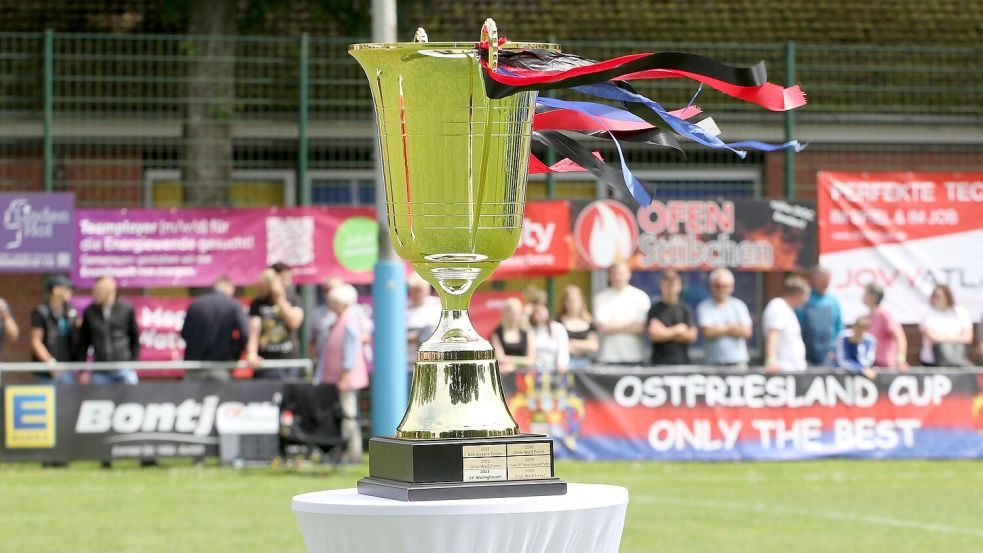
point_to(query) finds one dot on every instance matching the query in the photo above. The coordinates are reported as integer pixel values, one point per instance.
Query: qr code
(290, 240)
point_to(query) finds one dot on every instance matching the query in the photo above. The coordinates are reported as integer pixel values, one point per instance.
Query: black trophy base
(461, 468)
(439, 491)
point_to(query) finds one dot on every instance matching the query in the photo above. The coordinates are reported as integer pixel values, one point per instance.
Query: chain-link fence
(165, 120)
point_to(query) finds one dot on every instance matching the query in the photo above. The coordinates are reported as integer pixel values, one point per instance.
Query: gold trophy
(455, 166)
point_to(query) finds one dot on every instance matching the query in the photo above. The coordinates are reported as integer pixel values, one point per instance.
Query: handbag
(950, 354)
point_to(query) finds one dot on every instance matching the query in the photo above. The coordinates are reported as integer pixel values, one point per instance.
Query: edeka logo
(606, 232)
(30, 417)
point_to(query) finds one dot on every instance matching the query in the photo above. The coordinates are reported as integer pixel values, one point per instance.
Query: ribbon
(542, 70)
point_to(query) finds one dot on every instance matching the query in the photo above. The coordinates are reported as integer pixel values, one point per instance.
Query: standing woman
(512, 339)
(343, 364)
(946, 331)
(579, 326)
(552, 350)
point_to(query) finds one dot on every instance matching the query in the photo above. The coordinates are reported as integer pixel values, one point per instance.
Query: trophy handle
(489, 34)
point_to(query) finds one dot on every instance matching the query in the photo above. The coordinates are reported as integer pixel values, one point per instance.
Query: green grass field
(827, 506)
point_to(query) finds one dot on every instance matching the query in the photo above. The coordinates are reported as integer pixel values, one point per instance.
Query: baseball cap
(59, 280)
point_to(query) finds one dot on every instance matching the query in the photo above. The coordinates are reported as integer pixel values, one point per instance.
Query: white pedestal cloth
(588, 519)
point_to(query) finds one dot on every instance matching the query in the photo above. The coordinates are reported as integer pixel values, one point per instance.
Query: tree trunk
(207, 164)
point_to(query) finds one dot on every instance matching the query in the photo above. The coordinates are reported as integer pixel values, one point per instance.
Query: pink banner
(193, 247)
(160, 321)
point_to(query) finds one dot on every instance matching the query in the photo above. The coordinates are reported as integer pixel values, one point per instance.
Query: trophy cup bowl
(454, 164)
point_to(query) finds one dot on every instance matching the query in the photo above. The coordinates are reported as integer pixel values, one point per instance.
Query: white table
(588, 519)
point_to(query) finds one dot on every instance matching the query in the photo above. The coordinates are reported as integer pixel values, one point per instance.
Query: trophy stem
(457, 389)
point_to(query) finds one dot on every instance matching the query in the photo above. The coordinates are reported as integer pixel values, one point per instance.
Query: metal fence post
(304, 192)
(49, 109)
(303, 186)
(789, 121)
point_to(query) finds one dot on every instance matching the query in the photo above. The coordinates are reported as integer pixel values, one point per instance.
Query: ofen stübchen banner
(193, 247)
(688, 235)
(906, 232)
(609, 413)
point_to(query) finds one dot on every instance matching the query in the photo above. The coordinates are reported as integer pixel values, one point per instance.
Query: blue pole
(389, 386)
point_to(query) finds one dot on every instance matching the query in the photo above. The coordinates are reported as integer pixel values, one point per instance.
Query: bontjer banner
(906, 232)
(149, 421)
(750, 235)
(678, 416)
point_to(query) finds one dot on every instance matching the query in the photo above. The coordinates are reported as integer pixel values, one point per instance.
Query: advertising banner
(544, 247)
(193, 247)
(670, 416)
(687, 235)
(37, 233)
(906, 232)
(149, 421)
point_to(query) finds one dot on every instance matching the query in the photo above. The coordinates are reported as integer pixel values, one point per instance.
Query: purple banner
(193, 247)
(37, 233)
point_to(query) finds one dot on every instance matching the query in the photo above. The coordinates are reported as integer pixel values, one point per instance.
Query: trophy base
(461, 468)
(439, 491)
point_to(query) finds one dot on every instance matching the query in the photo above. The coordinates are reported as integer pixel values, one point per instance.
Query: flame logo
(606, 232)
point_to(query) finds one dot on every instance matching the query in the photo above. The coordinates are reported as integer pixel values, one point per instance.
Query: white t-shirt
(950, 321)
(628, 305)
(423, 318)
(791, 353)
(551, 347)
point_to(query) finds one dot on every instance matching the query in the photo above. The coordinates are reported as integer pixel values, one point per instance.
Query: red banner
(906, 232)
(544, 248)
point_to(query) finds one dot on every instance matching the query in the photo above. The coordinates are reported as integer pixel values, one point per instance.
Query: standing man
(725, 322)
(273, 323)
(671, 327)
(109, 325)
(820, 320)
(620, 313)
(54, 332)
(215, 329)
(784, 349)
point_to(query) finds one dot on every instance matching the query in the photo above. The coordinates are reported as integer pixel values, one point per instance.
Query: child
(855, 348)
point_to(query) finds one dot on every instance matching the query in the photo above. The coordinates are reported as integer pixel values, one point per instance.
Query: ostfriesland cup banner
(148, 421)
(906, 232)
(670, 415)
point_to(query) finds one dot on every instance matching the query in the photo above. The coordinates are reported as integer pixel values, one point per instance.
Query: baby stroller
(310, 424)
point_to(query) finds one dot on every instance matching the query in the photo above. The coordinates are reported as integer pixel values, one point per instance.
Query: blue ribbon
(590, 109)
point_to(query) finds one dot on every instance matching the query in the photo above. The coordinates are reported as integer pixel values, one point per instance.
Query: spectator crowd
(802, 327)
